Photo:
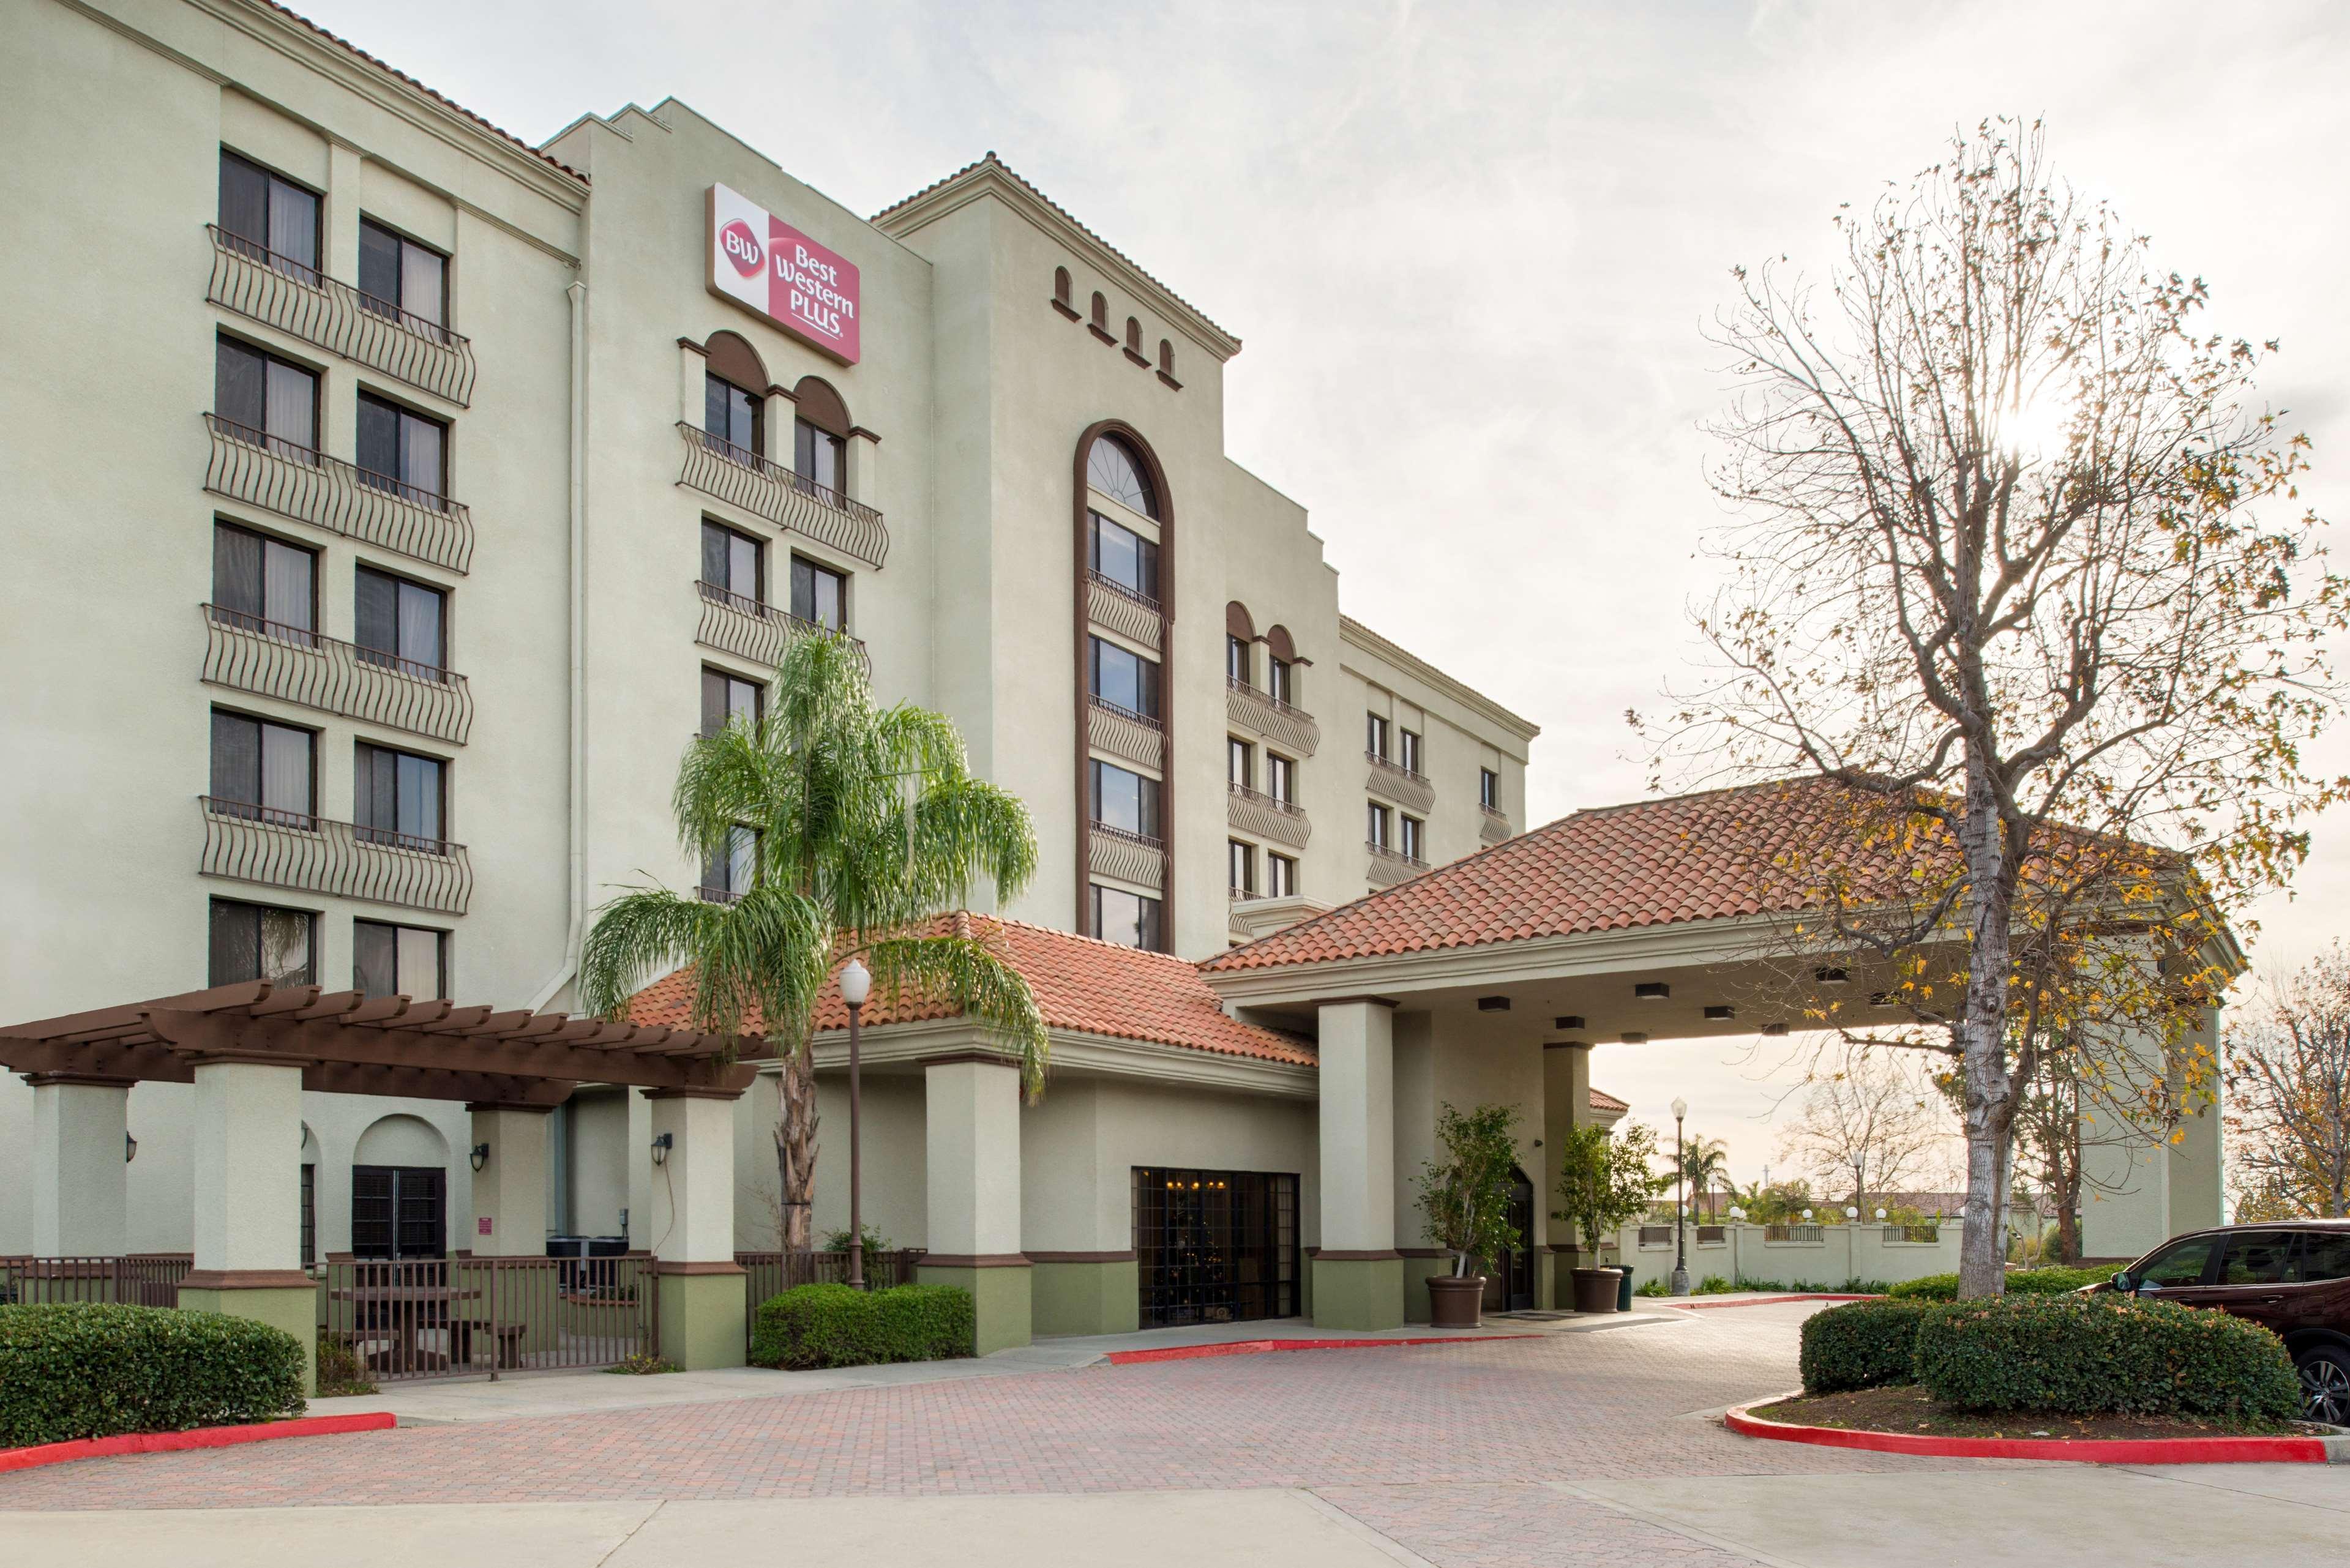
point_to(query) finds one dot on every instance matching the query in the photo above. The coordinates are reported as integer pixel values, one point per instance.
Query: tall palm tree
(1704, 1161)
(855, 825)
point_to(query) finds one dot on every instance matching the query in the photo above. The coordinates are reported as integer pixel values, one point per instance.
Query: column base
(1001, 1296)
(1084, 1293)
(1419, 1268)
(1358, 1291)
(293, 1308)
(704, 1309)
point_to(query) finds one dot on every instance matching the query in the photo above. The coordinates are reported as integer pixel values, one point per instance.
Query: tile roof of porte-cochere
(1081, 984)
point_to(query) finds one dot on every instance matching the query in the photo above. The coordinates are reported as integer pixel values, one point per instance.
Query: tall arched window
(820, 435)
(1061, 285)
(1133, 336)
(1113, 468)
(1101, 313)
(1167, 362)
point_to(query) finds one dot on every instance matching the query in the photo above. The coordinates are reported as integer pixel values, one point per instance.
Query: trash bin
(1624, 1291)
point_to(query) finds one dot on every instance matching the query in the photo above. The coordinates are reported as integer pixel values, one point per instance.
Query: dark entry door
(1216, 1246)
(399, 1212)
(1510, 1278)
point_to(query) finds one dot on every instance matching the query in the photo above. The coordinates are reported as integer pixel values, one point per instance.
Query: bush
(1861, 1344)
(643, 1364)
(1653, 1288)
(2092, 1355)
(2019, 1281)
(340, 1371)
(89, 1370)
(815, 1326)
(1713, 1285)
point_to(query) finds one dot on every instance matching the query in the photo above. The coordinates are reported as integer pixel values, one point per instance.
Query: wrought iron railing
(298, 665)
(280, 292)
(1393, 864)
(252, 842)
(1254, 811)
(1134, 596)
(1405, 786)
(1131, 615)
(1292, 728)
(461, 1317)
(736, 624)
(1656, 1235)
(1127, 856)
(1140, 840)
(270, 473)
(1123, 733)
(741, 477)
(1790, 1233)
(769, 1274)
(1929, 1233)
(1493, 826)
(137, 1278)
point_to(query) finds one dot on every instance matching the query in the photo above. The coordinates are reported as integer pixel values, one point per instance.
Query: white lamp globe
(1850, 1212)
(856, 983)
(1807, 1216)
(1880, 1214)
(1680, 1110)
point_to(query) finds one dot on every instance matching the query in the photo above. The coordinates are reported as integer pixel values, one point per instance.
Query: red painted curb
(1688, 1304)
(1266, 1346)
(2086, 1450)
(202, 1437)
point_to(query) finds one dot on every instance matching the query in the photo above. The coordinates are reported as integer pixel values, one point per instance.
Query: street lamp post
(1680, 1285)
(855, 985)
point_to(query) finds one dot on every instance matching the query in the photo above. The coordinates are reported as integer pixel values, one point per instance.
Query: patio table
(409, 1311)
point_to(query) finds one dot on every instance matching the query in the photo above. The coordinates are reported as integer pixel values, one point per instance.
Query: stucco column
(2125, 1167)
(1567, 1105)
(79, 1210)
(1357, 1272)
(2198, 1188)
(971, 1165)
(690, 1227)
(510, 1189)
(246, 1192)
(864, 477)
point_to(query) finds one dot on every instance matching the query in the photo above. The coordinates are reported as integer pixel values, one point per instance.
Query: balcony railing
(1253, 811)
(1393, 780)
(1493, 826)
(291, 849)
(733, 623)
(1389, 866)
(280, 292)
(717, 895)
(1292, 729)
(1125, 734)
(296, 482)
(294, 664)
(1130, 615)
(741, 477)
(1127, 856)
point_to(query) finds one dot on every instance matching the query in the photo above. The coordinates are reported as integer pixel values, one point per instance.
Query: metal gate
(1216, 1246)
(464, 1317)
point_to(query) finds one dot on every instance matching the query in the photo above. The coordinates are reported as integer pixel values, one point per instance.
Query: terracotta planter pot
(1455, 1302)
(1595, 1289)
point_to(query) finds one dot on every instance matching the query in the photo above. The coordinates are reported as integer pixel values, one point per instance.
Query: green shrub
(340, 1371)
(1653, 1288)
(2089, 1355)
(2019, 1281)
(643, 1364)
(93, 1370)
(814, 1326)
(1860, 1345)
(1713, 1285)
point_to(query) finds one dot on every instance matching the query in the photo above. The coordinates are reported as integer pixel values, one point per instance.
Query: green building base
(1417, 1272)
(1084, 1298)
(292, 1308)
(1001, 1296)
(1358, 1293)
(702, 1318)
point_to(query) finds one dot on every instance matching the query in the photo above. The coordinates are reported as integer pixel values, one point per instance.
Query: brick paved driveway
(1447, 1449)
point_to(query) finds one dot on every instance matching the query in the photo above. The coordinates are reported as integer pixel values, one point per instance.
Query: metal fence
(139, 1279)
(460, 1317)
(772, 1274)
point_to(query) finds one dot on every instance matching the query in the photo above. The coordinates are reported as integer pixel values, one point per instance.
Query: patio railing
(739, 477)
(280, 292)
(139, 1279)
(464, 1317)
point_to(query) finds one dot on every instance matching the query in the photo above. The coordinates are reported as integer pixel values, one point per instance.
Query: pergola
(249, 1050)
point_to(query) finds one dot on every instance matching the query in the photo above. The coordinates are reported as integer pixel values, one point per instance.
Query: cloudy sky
(1472, 249)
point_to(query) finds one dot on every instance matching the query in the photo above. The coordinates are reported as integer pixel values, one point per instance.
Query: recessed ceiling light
(1719, 1011)
(1651, 990)
(1568, 1021)
(1492, 1004)
(1830, 976)
(1633, 1037)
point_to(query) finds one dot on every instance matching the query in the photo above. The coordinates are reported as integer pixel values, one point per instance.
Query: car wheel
(2325, 1385)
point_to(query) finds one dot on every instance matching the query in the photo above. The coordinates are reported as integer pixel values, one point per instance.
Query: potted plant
(1604, 1184)
(1466, 1196)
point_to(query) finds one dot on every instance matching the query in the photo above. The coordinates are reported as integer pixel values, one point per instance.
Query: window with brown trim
(1415, 837)
(725, 698)
(260, 942)
(401, 625)
(1239, 757)
(734, 563)
(1112, 468)
(1241, 864)
(403, 450)
(399, 960)
(260, 583)
(264, 771)
(1280, 876)
(1408, 750)
(268, 217)
(1377, 826)
(1124, 800)
(1281, 778)
(1280, 683)
(1124, 680)
(267, 401)
(733, 414)
(819, 595)
(729, 873)
(1121, 557)
(1127, 918)
(400, 798)
(1236, 659)
(1061, 289)
(1375, 735)
(399, 277)
(1489, 789)
(1101, 313)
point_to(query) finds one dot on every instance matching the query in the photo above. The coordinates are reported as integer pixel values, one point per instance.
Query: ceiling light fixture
(1633, 1037)
(1569, 1021)
(1492, 1004)
(1720, 1011)
(1651, 990)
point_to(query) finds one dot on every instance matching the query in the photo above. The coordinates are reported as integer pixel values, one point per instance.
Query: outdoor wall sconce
(1492, 1004)
(480, 1156)
(662, 1145)
(1720, 1011)
(1651, 990)
(129, 1148)
(1634, 1037)
(1568, 1021)
(1830, 976)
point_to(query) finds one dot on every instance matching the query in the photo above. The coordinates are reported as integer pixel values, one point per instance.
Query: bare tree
(2288, 1073)
(1870, 1128)
(2004, 577)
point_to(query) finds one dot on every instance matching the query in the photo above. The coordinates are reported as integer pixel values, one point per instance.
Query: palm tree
(852, 825)
(1704, 1161)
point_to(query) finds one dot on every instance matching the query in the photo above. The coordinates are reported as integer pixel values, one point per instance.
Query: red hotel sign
(759, 261)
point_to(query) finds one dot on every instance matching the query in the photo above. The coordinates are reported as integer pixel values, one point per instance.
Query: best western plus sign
(763, 264)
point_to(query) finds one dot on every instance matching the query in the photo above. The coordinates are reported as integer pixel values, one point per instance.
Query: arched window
(1061, 289)
(1101, 313)
(1239, 639)
(1113, 468)
(1167, 362)
(1133, 336)
(820, 429)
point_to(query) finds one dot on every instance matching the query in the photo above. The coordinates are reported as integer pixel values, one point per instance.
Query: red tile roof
(1687, 857)
(1080, 984)
(1601, 1100)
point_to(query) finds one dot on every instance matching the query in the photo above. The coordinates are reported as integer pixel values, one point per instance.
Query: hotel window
(1124, 679)
(1239, 758)
(1378, 826)
(1415, 839)
(734, 563)
(1281, 778)
(403, 452)
(260, 942)
(817, 455)
(1278, 684)
(1120, 556)
(1130, 919)
(725, 698)
(1489, 789)
(399, 798)
(1236, 659)
(1112, 468)
(728, 874)
(819, 595)
(263, 585)
(1280, 876)
(399, 277)
(1125, 800)
(1408, 750)
(268, 217)
(272, 402)
(262, 772)
(731, 414)
(1375, 736)
(399, 960)
(1242, 858)
(400, 624)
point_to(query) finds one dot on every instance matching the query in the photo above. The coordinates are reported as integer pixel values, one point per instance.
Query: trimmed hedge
(813, 1326)
(1861, 1344)
(2093, 1355)
(92, 1370)
(2019, 1281)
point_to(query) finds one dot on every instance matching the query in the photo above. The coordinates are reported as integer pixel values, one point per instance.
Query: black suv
(2291, 1277)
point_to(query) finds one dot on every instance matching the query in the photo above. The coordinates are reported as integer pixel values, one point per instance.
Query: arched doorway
(1510, 1278)
(400, 1190)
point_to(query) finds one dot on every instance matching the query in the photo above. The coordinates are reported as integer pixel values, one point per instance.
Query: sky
(1472, 249)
